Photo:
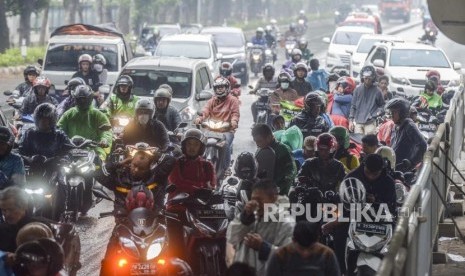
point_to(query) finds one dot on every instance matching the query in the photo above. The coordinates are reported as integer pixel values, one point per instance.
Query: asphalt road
(95, 232)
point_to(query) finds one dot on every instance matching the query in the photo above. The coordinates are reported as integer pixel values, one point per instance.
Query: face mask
(143, 119)
(332, 85)
(284, 85)
(98, 67)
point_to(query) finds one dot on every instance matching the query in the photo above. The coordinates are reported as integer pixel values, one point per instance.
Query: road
(95, 232)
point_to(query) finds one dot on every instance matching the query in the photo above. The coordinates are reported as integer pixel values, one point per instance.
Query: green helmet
(342, 135)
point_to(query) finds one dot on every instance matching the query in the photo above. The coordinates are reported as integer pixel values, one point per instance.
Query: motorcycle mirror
(182, 125)
(249, 44)
(250, 86)
(66, 82)
(7, 93)
(40, 61)
(98, 192)
(233, 181)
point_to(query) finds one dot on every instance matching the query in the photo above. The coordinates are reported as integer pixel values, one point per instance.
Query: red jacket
(226, 110)
(190, 173)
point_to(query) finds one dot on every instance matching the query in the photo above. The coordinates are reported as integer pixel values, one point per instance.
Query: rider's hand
(198, 121)
(253, 240)
(351, 126)
(234, 125)
(251, 207)
(103, 144)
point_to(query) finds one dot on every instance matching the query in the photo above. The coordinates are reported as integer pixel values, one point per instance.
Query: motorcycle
(289, 110)
(229, 192)
(430, 36)
(263, 105)
(256, 58)
(216, 143)
(20, 122)
(205, 225)
(68, 238)
(289, 45)
(427, 124)
(301, 27)
(118, 124)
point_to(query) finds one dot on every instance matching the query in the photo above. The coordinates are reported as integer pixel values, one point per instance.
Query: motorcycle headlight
(256, 57)
(66, 169)
(187, 114)
(38, 191)
(301, 21)
(400, 80)
(85, 168)
(129, 246)
(267, 52)
(337, 13)
(75, 181)
(123, 121)
(155, 248)
(431, 33)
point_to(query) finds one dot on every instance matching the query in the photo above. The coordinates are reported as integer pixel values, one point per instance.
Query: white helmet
(351, 191)
(388, 154)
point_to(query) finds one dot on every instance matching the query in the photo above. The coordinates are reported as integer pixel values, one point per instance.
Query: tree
(4, 32)
(24, 9)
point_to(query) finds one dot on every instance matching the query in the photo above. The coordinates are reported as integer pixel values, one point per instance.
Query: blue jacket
(4, 270)
(318, 79)
(341, 105)
(259, 41)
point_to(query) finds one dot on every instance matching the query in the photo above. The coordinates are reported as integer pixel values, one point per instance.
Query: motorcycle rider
(296, 56)
(307, 151)
(342, 154)
(283, 178)
(383, 85)
(98, 66)
(284, 92)
(342, 98)
(317, 77)
(302, 46)
(292, 32)
(259, 38)
(303, 17)
(299, 83)
(145, 127)
(30, 74)
(226, 69)
(406, 140)
(367, 103)
(223, 107)
(123, 102)
(11, 164)
(268, 80)
(164, 111)
(270, 39)
(274, 26)
(85, 72)
(435, 76)
(68, 102)
(434, 101)
(41, 88)
(309, 119)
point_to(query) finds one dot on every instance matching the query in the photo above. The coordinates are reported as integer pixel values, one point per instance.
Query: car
(364, 20)
(345, 38)
(191, 28)
(232, 45)
(406, 65)
(164, 29)
(69, 42)
(364, 45)
(194, 46)
(191, 80)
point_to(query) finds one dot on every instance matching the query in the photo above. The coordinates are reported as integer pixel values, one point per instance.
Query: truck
(395, 9)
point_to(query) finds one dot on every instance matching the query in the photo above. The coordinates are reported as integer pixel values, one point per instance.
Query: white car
(364, 46)
(406, 65)
(344, 39)
(194, 46)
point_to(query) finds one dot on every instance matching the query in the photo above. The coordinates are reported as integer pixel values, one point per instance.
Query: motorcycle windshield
(142, 221)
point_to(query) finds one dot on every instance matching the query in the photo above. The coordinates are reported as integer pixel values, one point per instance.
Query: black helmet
(45, 110)
(6, 136)
(83, 96)
(194, 133)
(301, 65)
(30, 69)
(284, 77)
(146, 105)
(332, 77)
(124, 80)
(268, 68)
(431, 85)
(162, 92)
(246, 166)
(74, 82)
(44, 251)
(99, 58)
(399, 104)
(368, 71)
(312, 98)
(292, 27)
(226, 69)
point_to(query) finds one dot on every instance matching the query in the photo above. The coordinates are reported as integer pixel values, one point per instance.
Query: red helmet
(326, 140)
(347, 83)
(41, 81)
(432, 73)
(139, 196)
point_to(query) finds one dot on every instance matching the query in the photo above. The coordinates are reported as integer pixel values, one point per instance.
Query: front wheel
(365, 270)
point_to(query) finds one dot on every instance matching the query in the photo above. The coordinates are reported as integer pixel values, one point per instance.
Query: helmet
(433, 73)
(221, 82)
(162, 93)
(303, 43)
(74, 82)
(388, 155)
(139, 196)
(33, 231)
(84, 57)
(6, 136)
(301, 12)
(99, 58)
(431, 85)
(226, 69)
(273, 21)
(342, 135)
(167, 86)
(42, 81)
(326, 140)
(268, 29)
(295, 52)
(260, 31)
(332, 77)
(312, 98)
(368, 71)
(47, 111)
(292, 27)
(46, 252)
(351, 190)
(83, 96)
(194, 133)
(284, 77)
(347, 83)
(268, 67)
(124, 80)
(301, 65)
(400, 104)
(30, 69)
(246, 166)
(145, 104)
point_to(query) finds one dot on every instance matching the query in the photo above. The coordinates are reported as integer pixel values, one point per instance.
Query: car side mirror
(219, 56)
(204, 95)
(7, 93)
(326, 40)
(40, 61)
(457, 65)
(378, 63)
(182, 125)
(249, 44)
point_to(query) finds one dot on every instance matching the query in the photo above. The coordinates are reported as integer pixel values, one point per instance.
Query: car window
(367, 24)
(379, 54)
(189, 49)
(64, 56)
(366, 44)
(147, 81)
(198, 82)
(418, 58)
(347, 38)
(206, 83)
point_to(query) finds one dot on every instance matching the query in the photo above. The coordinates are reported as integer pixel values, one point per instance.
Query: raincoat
(291, 137)
(116, 106)
(434, 101)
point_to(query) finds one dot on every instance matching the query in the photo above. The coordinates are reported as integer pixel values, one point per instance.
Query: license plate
(143, 269)
(211, 134)
(371, 228)
(79, 152)
(210, 214)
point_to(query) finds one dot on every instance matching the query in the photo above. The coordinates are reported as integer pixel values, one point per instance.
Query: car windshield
(366, 24)
(189, 49)
(64, 56)
(228, 39)
(366, 44)
(418, 58)
(147, 81)
(347, 38)
(165, 30)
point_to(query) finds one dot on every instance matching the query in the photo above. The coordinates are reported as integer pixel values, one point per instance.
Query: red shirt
(226, 110)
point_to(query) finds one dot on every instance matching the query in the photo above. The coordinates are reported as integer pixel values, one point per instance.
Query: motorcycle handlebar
(106, 214)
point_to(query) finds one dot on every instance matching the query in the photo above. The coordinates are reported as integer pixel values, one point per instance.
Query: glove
(103, 144)
(234, 125)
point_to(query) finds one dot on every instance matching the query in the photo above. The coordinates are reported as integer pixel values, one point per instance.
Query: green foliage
(14, 7)
(12, 57)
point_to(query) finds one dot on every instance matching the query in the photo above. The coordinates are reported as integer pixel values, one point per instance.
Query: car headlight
(331, 55)
(400, 80)
(187, 114)
(267, 52)
(34, 191)
(454, 83)
(155, 248)
(129, 246)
